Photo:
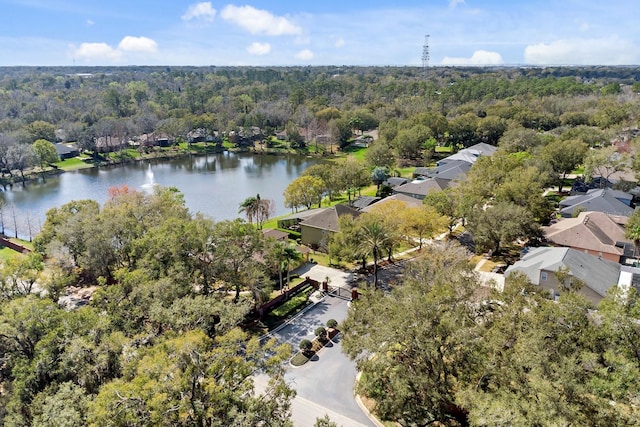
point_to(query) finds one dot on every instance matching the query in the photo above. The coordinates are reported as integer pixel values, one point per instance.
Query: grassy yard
(72, 164)
(357, 152)
(7, 254)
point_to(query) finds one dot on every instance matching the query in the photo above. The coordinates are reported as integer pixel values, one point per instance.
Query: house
(395, 181)
(364, 201)
(278, 235)
(607, 200)
(66, 151)
(292, 221)
(595, 233)
(540, 265)
(419, 188)
(400, 198)
(107, 144)
(456, 166)
(470, 154)
(315, 230)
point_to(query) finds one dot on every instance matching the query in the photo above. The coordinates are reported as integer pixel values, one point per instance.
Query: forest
(162, 343)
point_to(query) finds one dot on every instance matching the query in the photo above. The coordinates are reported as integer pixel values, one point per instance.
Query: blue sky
(303, 32)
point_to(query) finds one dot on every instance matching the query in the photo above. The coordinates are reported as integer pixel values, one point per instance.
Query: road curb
(361, 405)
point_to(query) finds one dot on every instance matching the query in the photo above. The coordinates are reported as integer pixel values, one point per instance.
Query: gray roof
(598, 274)
(470, 154)
(302, 215)
(328, 219)
(394, 181)
(609, 201)
(364, 201)
(420, 188)
(450, 170)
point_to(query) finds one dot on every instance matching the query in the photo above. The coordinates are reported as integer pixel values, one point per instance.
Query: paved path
(324, 385)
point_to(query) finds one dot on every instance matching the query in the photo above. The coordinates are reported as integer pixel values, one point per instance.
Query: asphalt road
(325, 384)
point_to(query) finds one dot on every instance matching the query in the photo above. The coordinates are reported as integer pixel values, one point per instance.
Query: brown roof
(328, 219)
(595, 231)
(407, 200)
(276, 234)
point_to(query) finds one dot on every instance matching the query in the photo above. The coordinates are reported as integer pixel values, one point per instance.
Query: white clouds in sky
(305, 55)
(200, 11)
(96, 51)
(454, 3)
(479, 57)
(257, 48)
(138, 44)
(105, 52)
(604, 51)
(339, 43)
(257, 21)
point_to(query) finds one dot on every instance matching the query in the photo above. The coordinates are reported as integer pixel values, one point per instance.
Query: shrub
(305, 345)
(320, 332)
(332, 323)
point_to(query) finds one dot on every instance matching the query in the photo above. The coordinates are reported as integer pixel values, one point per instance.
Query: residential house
(419, 188)
(66, 151)
(595, 233)
(278, 235)
(540, 265)
(107, 144)
(606, 200)
(395, 181)
(316, 229)
(364, 201)
(400, 198)
(292, 221)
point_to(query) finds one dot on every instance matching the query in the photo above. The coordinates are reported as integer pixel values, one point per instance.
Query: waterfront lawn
(357, 152)
(72, 164)
(7, 254)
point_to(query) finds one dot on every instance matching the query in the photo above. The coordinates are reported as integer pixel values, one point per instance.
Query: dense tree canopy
(432, 350)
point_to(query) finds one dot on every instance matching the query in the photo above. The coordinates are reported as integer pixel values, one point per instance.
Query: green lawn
(7, 254)
(444, 149)
(72, 164)
(357, 152)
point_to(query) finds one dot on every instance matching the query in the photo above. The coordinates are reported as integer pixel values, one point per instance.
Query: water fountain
(150, 182)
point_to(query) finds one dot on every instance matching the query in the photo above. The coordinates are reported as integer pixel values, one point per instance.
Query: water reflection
(214, 185)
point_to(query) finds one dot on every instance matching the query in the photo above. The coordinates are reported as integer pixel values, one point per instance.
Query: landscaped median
(308, 349)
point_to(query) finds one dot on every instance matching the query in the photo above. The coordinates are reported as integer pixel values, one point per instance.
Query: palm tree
(290, 254)
(257, 208)
(375, 236)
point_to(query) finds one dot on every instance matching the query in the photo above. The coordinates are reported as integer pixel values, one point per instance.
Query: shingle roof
(403, 198)
(363, 201)
(276, 234)
(598, 274)
(328, 219)
(599, 200)
(595, 231)
(422, 187)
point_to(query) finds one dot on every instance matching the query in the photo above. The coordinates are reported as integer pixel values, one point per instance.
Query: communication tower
(425, 55)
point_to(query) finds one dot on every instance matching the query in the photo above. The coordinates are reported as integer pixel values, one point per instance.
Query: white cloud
(138, 44)
(90, 22)
(200, 11)
(96, 51)
(339, 43)
(479, 57)
(606, 51)
(454, 3)
(257, 48)
(305, 55)
(257, 21)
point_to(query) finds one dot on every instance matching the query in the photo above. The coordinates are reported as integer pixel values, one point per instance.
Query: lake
(214, 185)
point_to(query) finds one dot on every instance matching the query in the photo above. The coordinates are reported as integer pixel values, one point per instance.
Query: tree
(304, 191)
(421, 222)
(564, 157)
(258, 209)
(201, 381)
(445, 204)
(604, 162)
(45, 153)
(21, 157)
(41, 130)
(632, 229)
(375, 237)
(380, 154)
(378, 176)
(500, 224)
(413, 356)
(353, 175)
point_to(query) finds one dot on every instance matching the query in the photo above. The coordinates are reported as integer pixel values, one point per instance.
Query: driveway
(324, 385)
